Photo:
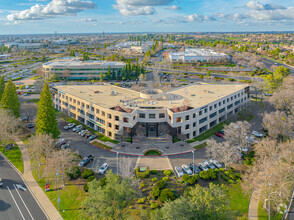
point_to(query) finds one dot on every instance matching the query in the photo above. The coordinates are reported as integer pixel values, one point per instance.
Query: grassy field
(33, 101)
(15, 157)
(200, 146)
(263, 214)
(244, 116)
(98, 144)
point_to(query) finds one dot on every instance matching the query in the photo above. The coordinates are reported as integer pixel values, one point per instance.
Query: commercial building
(4, 56)
(192, 55)
(75, 68)
(188, 110)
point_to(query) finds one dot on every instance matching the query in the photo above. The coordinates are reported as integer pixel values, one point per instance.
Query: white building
(4, 56)
(191, 55)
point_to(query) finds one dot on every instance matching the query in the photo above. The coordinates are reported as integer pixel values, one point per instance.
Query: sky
(97, 16)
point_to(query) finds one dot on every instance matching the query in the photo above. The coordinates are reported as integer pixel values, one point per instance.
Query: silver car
(186, 169)
(215, 163)
(179, 171)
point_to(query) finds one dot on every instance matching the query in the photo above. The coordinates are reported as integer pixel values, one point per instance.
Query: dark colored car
(92, 137)
(30, 125)
(195, 168)
(86, 160)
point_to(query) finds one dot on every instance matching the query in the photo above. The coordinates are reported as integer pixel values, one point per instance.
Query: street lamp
(193, 162)
(117, 163)
(269, 201)
(58, 200)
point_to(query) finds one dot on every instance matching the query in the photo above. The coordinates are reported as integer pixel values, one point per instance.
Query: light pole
(269, 201)
(193, 163)
(117, 163)
(58, 200)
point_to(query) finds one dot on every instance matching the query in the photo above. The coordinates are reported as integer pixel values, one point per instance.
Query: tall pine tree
(9, 99)
(2, 86)
(46, 115)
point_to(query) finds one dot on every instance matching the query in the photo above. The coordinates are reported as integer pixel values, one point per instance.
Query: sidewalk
(253, 205)
(40, 196)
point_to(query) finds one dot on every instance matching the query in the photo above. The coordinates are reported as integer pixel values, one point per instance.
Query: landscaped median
(14, 156)
(100, 145)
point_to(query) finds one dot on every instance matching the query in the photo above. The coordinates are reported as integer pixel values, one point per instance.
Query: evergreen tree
(156, 44)
(108, 73)
(2, 86)
(9, 99)
(153, 47)
(208, 73)
(142, 69)
(72, 53)
(46, 115)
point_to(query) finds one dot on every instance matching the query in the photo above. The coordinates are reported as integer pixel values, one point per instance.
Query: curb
(25, 182)
(140, 155)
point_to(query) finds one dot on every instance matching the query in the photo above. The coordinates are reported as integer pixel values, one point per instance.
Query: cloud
(173, 7)
(199, 18)
(88, 20)
(254, 5)
(139, 7)
(273, 15)
(55, 8)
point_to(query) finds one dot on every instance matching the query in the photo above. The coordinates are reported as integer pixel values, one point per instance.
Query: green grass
(15, 157)
(107, 139)
(208, 133)
(33, 101)
(263, 214)
(98, 144)
(200, 146)
(182, 80)
(152, 153)
(36, 77)
(244, 116)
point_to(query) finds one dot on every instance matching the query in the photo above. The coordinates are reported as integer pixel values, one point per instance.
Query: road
(269, 63)
(15, 203)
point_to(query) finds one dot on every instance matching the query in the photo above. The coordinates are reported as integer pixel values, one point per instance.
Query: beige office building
(188, 110)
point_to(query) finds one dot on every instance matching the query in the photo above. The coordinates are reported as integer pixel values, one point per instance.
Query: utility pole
(117, 163)
(58, 200)
(269, 201)
(193, 163)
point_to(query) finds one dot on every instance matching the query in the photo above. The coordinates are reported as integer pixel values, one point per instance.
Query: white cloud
(55, 8)
(88, 20)
(273, 15)
(254, 5)
(174, 7)
(139, 7)
(198, 18)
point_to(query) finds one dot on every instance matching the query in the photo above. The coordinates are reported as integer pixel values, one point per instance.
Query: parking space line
(23, 202)
(16, 203)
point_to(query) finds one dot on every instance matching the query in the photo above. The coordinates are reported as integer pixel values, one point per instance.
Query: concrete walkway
(154, 163)
(40, 196)
(253, 205)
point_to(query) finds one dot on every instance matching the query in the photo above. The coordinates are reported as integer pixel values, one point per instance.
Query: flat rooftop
(108, 96)
(197, 52)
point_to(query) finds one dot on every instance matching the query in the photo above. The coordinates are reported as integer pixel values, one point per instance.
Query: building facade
(74, 68)
(187, 111)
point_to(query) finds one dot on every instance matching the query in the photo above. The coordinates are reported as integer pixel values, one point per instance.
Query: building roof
(197, 52)
(109, 96)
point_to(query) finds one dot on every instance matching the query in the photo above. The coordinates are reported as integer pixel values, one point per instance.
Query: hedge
(74, 172)
(144, 174)
(160, 184)
(166, 194)
(87, 173)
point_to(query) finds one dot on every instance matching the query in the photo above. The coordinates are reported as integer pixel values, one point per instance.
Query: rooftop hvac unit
(112, 93)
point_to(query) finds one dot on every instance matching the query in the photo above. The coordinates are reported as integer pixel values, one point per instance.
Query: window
(116, 127)
(230, 106)
(83, 104)
(97, 111)
(70, 99)
(231, 98)
(215, 105)
(219, 104)
(204, 128)
(202, 120)
(109, 125)
(237, 102)
(187, 118)
(134, 118)
(87, 106)
(161, 115)
(187, 127)
(109, 116)
(200, 112)
(210, 108)
(205, 110)
(194, 133)
(103, 113)
(241, 93)
(141, 115)
(126, 120)
(212, 115)
(238, 94)
(117, 118)
(91, 116)
(109, 134)
(222, 110)
(74, 101)
(194, 115)
(152, 116)
(194, 124)
(228, 99)
(92, 109)
(224, 102)
(235, 96)
(79, 103)
(178, 119)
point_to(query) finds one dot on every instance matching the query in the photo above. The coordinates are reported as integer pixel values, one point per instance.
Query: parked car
(244, 149)
(103, 168)
(195, 168)
(69, 126)
(203, 167)
(257, 134)
(186, 169)
(77, 127)
(267, 94)
(1, 182)
(24, 119)
(179, 171)
(88, 134)
(92, 137)
(64, 146)
(30, 125)
(86, 160)
(209, 165)
(251, 139)
(83, 132)
(219, 134)
(25, 94)
(60, 142)
(215, 163)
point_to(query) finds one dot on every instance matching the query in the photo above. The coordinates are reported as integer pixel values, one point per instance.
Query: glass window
(161, 115)
(141, 115)
(152, 116)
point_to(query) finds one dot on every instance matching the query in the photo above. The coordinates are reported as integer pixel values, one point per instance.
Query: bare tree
(235, 133)
(126, 167)
(39, 84)
(8, 126)
(29, 110)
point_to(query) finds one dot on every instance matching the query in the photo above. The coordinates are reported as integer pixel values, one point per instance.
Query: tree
(200, 203)
(109, 201)
(29, 110)
(208, 73)
(2, 86)
(126, 167)
(108, 73)
(9, 99)
(8, 125)
(72, 53)
(46, 115)
(236, 132)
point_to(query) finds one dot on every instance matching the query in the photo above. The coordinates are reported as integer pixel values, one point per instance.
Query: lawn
(15, 157)
(263, 214)
(33, 101)
(200, 146)
(98, 144)
(208, 133)
(152, 153)
(244, 116)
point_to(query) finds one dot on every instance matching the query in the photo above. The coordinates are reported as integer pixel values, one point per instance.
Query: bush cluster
(160, 184)
(155, 192)
(209, 174)
(154, 179)
(74, 172)
(165, 179)
(144, 174)
(249, 158)
(90, 178)
(141, 201)
(153, 171)
(154, 205)
(142, 185)
(167, 172)
(87, 173)
(86, 187)
(166, 194)
(185, 177)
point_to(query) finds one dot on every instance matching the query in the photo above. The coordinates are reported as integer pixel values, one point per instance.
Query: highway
(15, 203)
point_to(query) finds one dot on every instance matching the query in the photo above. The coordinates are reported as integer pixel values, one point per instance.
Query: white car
(77, 127)
(257, 134)
(244, 149)
(251, 139)
(203, 167)
(209, 165)
(69, 126)
(215, 163)
(186, 169)
(179, 171)
(103, 168)
(25, 94)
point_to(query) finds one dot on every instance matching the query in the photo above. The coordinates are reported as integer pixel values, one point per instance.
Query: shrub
(144, 174)
(141, 201)
(187, 183)
(167, 172)
(212, 174)
(87, 173)
(144, 190)
(165, 179)
(185, 177)
(204, 175)
(130, 207)
(231, 181)
(148, 197)
(90, 178)
(166, 194)
(221, 169)
(102, 182)
(160, 184)
(224, 177)
(247, 162)
(153, 171)
(216, 170)
(192, 180)
(238, 176)
(86, 187)
(74, 172)
(155, 192)
(154, 179)
(154, 205)
(142, 185)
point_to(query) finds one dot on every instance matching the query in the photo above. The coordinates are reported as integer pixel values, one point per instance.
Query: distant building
(25, 45)
(191, 55)
(4, 56)
(75, 68)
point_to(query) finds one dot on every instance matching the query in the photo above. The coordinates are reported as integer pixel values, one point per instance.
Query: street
(16, 203)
